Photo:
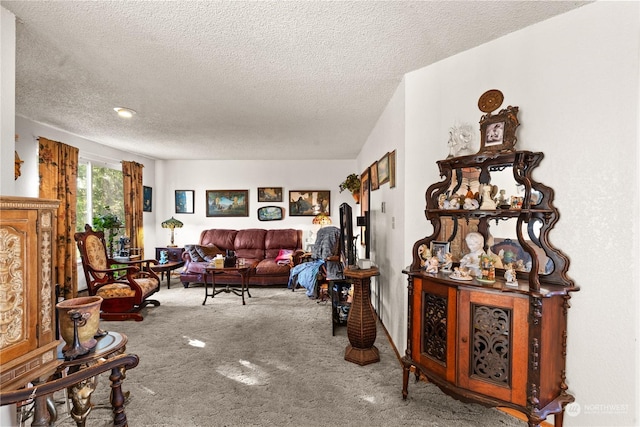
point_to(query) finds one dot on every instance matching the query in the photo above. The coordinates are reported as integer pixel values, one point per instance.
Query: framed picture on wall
(184, 201)
(373, 175)
(365, 182)
(270, 213)
(223, 203)
(392, 169)
(146, 198)
(309, 202)
(383, 169)
(269, 194)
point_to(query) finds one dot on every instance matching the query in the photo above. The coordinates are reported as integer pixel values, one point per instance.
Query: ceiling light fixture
(124, 112)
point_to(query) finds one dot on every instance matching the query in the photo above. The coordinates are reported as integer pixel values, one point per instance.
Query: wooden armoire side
(28, 342)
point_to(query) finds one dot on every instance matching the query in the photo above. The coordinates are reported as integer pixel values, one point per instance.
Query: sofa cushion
(224, 239)
(249, 243)
(269, 267)
(209, 252)
(280, 239)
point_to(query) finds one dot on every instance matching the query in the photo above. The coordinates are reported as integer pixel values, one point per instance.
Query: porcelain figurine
(471, 261)
(488, 193)
(432, 266)
(460, 139)
(510, 275)
(470, 204)
(448, 262)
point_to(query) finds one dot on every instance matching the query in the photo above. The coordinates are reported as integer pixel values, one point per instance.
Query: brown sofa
(259, 247)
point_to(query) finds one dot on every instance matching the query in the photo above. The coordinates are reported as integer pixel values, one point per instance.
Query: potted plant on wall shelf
(352, 183)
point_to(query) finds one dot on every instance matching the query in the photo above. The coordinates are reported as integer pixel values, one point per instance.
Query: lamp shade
(322, 220)
(172, 223)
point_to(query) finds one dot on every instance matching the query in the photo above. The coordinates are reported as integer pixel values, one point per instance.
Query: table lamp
(321, 220)
(172, 223)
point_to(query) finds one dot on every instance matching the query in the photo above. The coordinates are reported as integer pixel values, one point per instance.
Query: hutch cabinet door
(434, 327)
(18, 252)
(493, 337)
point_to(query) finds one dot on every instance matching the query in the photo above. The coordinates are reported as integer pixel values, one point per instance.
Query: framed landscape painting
(383, 169)
(227, 203)
(309, 202)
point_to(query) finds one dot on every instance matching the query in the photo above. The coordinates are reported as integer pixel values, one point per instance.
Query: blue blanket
(305, 275)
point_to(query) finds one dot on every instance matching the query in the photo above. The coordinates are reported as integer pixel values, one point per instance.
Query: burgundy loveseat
(259, 248)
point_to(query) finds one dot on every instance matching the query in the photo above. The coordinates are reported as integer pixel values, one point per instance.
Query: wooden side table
(107, 347)
(167, 269)
(174, 255)
(362, 322)
(80, 381)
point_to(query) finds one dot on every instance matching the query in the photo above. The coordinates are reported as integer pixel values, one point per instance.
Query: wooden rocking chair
(125, 286)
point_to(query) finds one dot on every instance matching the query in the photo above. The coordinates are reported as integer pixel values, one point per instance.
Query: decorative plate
(462, 278)
(490, 100)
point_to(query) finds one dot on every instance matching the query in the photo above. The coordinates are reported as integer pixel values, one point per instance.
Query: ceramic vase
(89, 309)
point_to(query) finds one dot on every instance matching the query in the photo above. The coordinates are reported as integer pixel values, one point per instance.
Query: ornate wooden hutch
(28, 342)
(497, 344)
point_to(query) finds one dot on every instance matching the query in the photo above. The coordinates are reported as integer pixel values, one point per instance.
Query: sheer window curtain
(133, 200)
(58, 169)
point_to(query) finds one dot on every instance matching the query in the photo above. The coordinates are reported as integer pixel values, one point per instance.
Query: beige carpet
(272, 362)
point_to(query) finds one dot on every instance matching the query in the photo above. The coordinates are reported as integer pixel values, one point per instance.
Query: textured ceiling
(238, 80)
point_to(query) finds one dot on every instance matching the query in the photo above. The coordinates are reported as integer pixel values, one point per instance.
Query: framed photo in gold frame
(498, 132)
(373, 175)
(383, 169)
(392, 169)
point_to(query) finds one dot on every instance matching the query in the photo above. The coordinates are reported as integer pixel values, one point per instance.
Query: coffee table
(243, 271)
(167, 269)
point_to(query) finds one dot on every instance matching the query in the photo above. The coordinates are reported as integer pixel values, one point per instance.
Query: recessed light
(127, 113)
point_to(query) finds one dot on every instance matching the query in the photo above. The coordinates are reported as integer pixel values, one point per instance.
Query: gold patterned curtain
(58, 169)
(133, 199)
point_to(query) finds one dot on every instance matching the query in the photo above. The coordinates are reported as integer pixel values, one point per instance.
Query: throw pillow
(284, 257)
(209, 252)
(193, 253)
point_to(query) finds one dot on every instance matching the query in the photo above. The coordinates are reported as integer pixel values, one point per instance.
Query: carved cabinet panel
(433, 338)
(492, 337)
(27, 292)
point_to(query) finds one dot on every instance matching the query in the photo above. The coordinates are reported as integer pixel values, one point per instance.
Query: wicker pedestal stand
(361, 324)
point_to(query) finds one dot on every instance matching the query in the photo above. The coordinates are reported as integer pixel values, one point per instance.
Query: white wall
(575, 79)
(203, 175)
(387, 227)
(7, 99)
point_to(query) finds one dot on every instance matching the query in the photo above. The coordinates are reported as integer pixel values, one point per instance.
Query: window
(99, 186)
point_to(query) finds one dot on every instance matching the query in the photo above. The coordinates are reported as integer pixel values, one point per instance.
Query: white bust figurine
(471, 261)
